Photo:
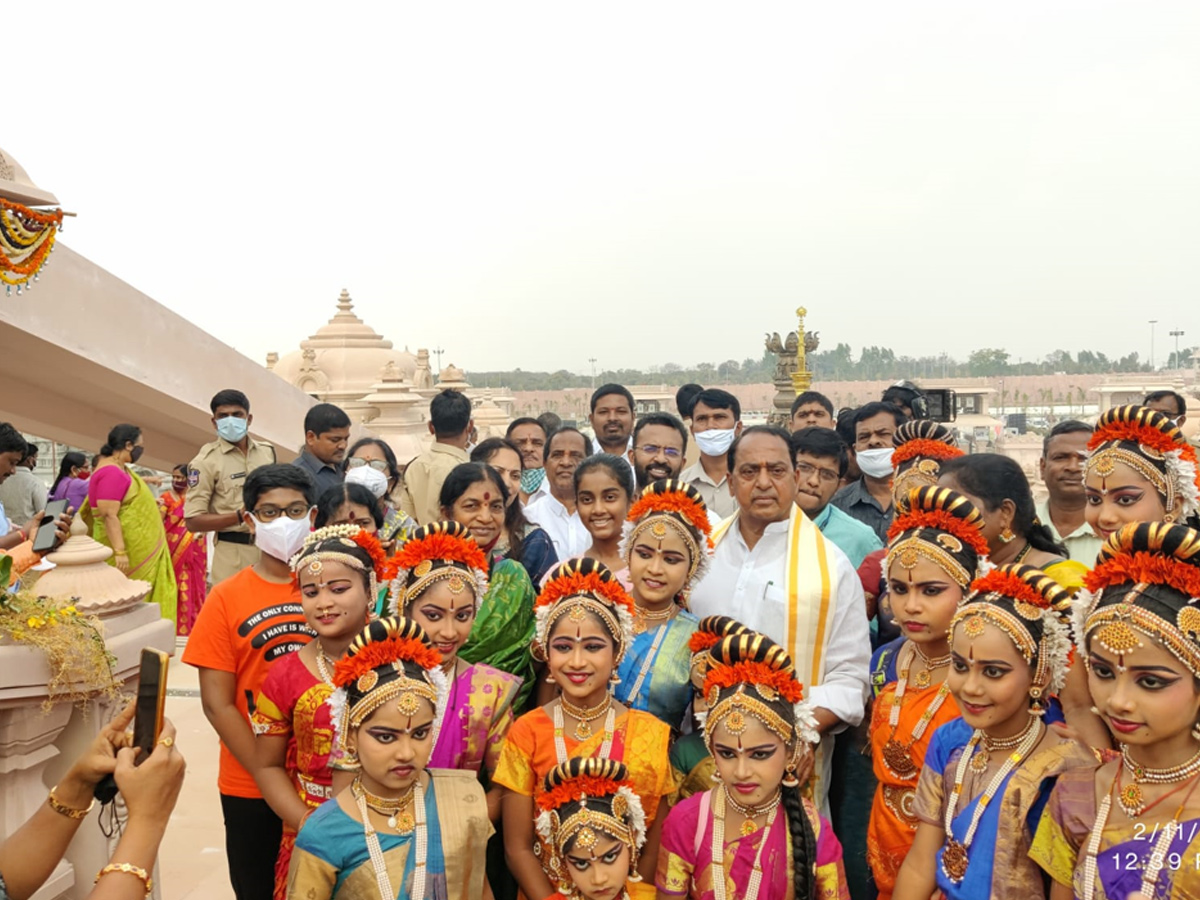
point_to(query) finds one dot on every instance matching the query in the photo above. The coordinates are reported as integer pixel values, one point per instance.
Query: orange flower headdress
(940, 525)
(1033, 610)
(336, 543)
(1146, 582)
(583, 798)
(1148, 442)
(576, 588)
(439, 551)
(391, 659)
(921, 447)
(751, 675)
(670, 505)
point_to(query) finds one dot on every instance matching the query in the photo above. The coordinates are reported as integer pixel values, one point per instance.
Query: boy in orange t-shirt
(248, 621)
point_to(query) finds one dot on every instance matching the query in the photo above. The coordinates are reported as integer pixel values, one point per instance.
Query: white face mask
(876, 463)
(372, 479)
(715, 441)
(282, 538)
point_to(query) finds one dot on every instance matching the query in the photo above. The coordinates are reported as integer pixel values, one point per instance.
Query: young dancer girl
(1133, 823)
(1140, 469)
(439, 585)
(667, 553)
(987, 775)
(398, 831)
(937, 548)
(745, 837)
(690, 759)
(593, 825)
(584, 628)
(338, 570)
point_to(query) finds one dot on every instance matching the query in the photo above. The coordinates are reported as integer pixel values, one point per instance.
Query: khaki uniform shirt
(215, 481)
(424, 476)
(716, 496)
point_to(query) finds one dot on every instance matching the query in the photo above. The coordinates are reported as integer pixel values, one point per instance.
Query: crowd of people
(687, 657)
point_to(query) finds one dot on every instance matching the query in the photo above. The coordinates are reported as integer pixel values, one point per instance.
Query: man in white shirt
(1063, 452)
(23, 493)
(773, 571)
(555, 511)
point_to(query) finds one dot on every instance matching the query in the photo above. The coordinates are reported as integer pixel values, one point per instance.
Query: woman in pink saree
(189, 553)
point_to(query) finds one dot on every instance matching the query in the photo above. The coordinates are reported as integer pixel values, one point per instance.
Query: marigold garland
(942, 521)
(385, 569)
(1146, 568)
(924, 447)
(575, 584)
(1146, 435)
(382, 653)
(23, 250)
(676, 502)
(702, 640)
(589, 785)
(440, 546)
(1009, 585)
(725, 676)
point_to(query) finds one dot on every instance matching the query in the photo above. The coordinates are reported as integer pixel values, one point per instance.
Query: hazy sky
(530, 184)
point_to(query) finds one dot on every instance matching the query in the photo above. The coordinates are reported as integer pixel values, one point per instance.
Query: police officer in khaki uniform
(215, 480)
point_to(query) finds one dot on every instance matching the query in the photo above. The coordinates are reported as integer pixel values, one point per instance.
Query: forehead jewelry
(315, 567)
(659, 530)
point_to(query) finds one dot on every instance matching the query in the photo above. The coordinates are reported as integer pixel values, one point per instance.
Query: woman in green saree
(124, 516)
(474, 495)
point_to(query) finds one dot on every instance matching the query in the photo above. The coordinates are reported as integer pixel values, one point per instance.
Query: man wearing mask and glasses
(215, 479)
(716, 423)
(249, 621)
(870, 498)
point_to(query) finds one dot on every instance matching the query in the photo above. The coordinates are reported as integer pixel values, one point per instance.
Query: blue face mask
(232, 428)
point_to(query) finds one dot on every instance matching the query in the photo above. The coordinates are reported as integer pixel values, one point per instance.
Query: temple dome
(343, 359)
(16, 185)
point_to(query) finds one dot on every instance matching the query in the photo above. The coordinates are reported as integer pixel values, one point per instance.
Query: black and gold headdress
(1146, 584)
(1033, 610)
(668, 506)
(583, 798)
(438, 551)
(940, 525)
(921, 447)
(576, 588)
(1148, 442)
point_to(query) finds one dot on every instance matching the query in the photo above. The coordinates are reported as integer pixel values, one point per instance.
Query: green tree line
(838, 364)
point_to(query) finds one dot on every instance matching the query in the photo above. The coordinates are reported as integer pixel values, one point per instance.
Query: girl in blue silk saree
(399, 830)
(667, 554)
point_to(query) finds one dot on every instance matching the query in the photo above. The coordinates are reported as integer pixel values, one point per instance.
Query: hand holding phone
(148, 717)
(47, 533)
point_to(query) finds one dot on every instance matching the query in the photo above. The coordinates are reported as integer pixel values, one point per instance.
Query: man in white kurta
(774, 572)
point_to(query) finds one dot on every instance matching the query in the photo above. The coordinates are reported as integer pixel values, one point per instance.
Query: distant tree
(992, 361)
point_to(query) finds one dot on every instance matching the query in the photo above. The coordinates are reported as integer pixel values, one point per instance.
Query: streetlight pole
(1177, 334)
(592, 360)
(438, 353)
(1153, 322)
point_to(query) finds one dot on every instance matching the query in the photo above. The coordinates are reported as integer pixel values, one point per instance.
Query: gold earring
(716, 776)
(1196, 731)
(1007, 536)
(789, 777)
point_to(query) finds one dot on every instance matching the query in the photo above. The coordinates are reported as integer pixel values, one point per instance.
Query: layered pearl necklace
(560, 745)
(750, 813)
(375, 851)
(954, 855)
(897, 757)
(720, 796)
(1131, 798)
(323, 664)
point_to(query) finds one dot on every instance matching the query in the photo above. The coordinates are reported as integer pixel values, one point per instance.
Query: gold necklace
(750, 813)
(645, 619)
(954, 857)
(323, 662)
(1131, 798)
(897, 757)
(982, 757)
(924, 676)
(585, 717)
(390, 807)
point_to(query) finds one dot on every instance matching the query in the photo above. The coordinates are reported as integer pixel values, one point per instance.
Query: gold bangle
(69, 811)
(128, 869)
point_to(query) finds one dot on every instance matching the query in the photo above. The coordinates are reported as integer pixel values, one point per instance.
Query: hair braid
(804, 844)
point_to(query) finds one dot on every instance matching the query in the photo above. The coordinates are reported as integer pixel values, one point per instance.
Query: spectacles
(828, 476)
(271, 513)
(776, 471)
(379, 465)
(654, 450)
